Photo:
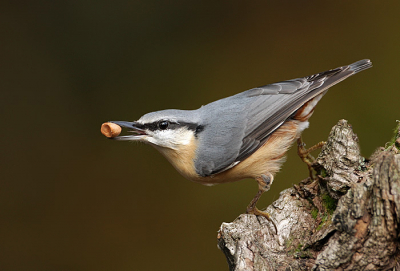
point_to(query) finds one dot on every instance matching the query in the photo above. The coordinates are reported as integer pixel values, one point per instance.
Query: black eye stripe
(199, 129)
(150, 126)
(153, 126)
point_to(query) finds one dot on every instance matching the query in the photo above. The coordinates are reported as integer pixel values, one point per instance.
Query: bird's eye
(163, 124)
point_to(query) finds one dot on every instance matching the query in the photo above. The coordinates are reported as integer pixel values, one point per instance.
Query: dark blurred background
(72, 200)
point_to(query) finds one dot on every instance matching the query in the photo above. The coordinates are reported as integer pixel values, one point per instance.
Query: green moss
(289, 242)
(300, 253)
(314, 213)
(323, 220)
(298, 249)
(329, 203)
(319, 226)
(323, 173)
(396, 135)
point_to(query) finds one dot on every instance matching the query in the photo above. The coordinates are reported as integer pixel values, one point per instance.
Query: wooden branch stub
(250, 242)
(346, 220)
(366, 222)
(340, 158)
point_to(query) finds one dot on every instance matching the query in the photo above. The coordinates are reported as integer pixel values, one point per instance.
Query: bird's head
(171, 129)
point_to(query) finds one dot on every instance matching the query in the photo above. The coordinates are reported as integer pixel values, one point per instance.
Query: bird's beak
(135, 128)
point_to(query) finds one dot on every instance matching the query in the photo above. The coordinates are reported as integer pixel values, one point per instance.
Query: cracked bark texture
(346, 219)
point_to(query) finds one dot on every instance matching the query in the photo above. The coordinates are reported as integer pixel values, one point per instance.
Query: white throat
(171, 138)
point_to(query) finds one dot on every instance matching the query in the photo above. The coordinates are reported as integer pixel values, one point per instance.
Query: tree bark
(345, 219)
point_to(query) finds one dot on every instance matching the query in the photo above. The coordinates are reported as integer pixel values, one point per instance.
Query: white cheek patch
(172, 138)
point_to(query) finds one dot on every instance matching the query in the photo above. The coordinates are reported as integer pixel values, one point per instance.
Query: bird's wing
(268, 107)
(290, 96)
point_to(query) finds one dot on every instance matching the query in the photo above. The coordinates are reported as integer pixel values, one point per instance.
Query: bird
(242, 136)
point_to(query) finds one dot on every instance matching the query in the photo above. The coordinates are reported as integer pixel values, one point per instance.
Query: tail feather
(360, 65)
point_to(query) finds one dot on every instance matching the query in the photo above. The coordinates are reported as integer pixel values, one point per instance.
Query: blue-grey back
(236, 126)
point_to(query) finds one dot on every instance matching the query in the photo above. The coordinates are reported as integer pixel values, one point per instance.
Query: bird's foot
(256, 211)
(305, 155)
(264, 183)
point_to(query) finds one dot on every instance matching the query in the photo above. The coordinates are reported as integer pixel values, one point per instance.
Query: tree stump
(345, 219)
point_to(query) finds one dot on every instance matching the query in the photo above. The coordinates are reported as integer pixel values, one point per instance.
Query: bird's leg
(305, 153)
(264, 183)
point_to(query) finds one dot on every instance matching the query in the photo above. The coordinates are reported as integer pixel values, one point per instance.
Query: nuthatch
(242, 136)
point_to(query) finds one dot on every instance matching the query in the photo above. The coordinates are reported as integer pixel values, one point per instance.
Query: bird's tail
(360, 65)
